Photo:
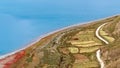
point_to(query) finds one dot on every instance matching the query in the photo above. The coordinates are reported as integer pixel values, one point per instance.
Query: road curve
(97, 34)
(98, 55)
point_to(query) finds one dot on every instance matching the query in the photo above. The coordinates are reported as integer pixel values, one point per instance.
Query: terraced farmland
(86, 44)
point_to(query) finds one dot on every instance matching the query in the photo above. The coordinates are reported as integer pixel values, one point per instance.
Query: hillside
(111, 53)
(74, 47)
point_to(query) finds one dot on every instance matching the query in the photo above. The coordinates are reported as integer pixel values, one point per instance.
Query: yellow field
(110, 39)
(103, 32)
(84, 42)
(73, 50)
(89, 49)
(88, 45)
(106, 36)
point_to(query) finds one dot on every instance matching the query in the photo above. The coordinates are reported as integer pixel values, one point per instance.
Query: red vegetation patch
(8, 61)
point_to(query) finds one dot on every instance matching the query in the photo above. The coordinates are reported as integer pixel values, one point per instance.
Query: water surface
(21, 21)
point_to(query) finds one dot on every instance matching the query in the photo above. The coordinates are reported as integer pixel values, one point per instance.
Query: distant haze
(21, 21)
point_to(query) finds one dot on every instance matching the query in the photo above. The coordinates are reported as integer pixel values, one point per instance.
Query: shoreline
(47, 34)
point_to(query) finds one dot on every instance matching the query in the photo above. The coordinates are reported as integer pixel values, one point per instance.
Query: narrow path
(98, 55)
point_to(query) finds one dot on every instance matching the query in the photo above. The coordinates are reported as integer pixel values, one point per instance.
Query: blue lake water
(21, 21)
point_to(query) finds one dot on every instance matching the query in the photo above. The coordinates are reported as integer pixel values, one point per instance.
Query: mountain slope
(74, 47)
(111, 53)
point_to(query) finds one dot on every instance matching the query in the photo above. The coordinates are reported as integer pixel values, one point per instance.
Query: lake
(22, 21)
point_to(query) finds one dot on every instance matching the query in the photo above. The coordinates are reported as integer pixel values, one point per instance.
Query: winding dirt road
(98, 55)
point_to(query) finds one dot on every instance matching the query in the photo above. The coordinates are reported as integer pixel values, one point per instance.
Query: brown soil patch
(80, 58)
(64, 50)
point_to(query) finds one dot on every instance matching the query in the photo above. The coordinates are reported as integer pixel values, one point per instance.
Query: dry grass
(89, 64)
